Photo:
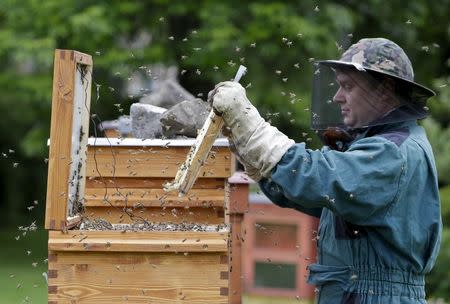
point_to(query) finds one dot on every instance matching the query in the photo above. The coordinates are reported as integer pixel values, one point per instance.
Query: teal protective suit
(378, 203)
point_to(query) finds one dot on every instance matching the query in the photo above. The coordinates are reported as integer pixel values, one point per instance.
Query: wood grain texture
(190, 169)
(80, 131)
(209, 216)
(153, 162)
(82, 58)
(148, 182)
(153, 197)
(197, 156)
(117, 241)
(60, 137)
(104, 277)
(150, 142)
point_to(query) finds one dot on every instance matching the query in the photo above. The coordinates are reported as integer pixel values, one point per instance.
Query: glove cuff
(274, 145)
(253, 173)
(263, 149)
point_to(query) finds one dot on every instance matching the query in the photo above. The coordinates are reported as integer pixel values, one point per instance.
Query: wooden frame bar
(238, 206)
(68, 132)
(160, 241)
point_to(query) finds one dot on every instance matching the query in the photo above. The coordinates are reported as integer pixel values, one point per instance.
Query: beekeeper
(374, 185)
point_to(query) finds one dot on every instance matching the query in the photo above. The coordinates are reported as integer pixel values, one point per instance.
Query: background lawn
(21, 280)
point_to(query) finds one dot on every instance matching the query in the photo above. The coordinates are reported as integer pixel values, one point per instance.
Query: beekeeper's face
(361, 99)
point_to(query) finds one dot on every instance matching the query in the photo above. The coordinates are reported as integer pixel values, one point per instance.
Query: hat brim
(419, 92)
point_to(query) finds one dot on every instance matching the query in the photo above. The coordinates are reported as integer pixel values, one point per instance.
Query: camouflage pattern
(380, 55)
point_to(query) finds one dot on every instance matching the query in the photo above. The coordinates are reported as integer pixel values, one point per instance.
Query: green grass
(20, 280)
(253, 299)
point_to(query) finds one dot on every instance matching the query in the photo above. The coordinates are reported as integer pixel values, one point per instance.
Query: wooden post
(68, 136)
(238, 206)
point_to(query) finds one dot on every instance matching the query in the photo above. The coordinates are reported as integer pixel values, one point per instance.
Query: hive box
(103, 192)
(124, 181)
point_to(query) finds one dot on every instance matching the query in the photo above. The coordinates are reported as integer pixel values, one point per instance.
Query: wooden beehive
(122, 184)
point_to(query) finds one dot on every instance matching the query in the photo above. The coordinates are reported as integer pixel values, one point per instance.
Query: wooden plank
(145, 182)
(64, 97)
(60, 139)
(153, 162)
(152, 197)
(239, 192)
(107, 277)
(202, 215)
(73, 221)
(80, 132)
(238, 201)
(190, 169)
(160, 241)
(150, 142)
(236, 281)
(82, 58)
(153, 259)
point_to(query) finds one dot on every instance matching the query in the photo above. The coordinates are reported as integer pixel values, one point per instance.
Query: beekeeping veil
(381, 78)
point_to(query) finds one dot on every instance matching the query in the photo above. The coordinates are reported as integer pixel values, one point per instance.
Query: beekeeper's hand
(257, 143)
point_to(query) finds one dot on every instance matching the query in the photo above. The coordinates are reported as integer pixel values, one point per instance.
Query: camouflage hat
(383, 56)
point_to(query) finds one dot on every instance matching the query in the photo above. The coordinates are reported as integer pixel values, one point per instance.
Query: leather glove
(258, 144)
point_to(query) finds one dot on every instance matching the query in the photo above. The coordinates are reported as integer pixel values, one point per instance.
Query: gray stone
(167, 94)
(145, 120)
(185, 118)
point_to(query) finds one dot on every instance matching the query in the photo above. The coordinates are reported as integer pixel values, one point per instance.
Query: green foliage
(277, 42)
(440, 140)
(438, 282)
(440, 106)
(445, 205)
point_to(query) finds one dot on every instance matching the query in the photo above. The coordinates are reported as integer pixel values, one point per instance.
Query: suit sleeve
(354, 184)
(274, 193)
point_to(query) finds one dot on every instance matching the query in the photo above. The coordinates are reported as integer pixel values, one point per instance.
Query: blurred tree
(276, 40)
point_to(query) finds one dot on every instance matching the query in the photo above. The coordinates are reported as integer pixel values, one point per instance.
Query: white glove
(258, 144)
(252, 172)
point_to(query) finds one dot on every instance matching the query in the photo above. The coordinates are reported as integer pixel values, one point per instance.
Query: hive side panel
(210, 216)
(148, 182)
(125, 184)
(107, 277)
(153, 197)
(153, 162)
(138, 241)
